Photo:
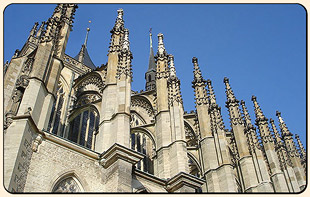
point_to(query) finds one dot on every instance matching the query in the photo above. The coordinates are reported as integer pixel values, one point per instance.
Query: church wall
(53, 160)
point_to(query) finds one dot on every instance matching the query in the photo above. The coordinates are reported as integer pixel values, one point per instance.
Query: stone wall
(52, 161)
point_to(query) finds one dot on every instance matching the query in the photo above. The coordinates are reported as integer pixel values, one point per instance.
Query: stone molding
(182, 179)
(117, 151)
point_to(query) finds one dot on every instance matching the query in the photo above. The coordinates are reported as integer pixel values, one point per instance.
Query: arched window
(55, 126)
(193, 167)
(67, 185)
(83, 127)
(142, 143)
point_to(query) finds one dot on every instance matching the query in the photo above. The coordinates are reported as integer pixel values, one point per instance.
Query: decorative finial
(211, 92)
(258, 112)
(197, 73)
(229, 93)
(161, 48)
(151, 42)
(284, 129)
(86, 38)
(120, 13)
(246, 114)
(126, 40)
(172, 68)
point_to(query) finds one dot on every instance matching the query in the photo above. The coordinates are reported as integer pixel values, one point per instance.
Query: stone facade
(72, 127)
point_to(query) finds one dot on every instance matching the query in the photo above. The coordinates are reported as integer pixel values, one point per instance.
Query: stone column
(110, 104)
(178, 150)
(162, 118)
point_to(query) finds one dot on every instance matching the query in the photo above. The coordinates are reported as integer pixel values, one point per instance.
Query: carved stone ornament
(138, 102)
(87, 83)
(36, 142)
(22, 81)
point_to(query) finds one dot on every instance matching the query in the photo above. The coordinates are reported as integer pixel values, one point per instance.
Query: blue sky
(261, 48)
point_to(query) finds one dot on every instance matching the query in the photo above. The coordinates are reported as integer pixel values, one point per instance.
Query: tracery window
(193, 167)
(67, 185)
(84, 126)
(55, 125)
(142, 143)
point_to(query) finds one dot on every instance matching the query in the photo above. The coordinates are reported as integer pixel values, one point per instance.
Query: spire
(152, 65)
(40, 30)
(229, 93)
(276, 133)
(211, 92)
(258, 112)
(83, 55)
(119, 23)
(33, 30)
(246, 115)
(198, 79)
(284, 129)
(86, 37)
(249, 126)
(301, 148)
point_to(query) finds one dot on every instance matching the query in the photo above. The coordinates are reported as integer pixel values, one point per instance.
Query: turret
(277, 175)
(292, 152)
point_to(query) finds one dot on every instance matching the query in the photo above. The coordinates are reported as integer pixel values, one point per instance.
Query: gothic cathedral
(70, 126)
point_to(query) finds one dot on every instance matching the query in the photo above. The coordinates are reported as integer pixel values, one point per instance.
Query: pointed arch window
(67, 185)
(55, 125)
(84, 126)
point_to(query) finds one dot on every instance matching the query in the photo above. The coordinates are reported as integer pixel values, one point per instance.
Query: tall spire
(152, 65)
(151, 72)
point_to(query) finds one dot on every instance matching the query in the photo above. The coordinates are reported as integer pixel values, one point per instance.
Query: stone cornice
(149, 177)
(118, 151)
(182, 179)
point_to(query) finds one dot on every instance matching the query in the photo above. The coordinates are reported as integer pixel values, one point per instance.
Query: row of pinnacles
(236, 161)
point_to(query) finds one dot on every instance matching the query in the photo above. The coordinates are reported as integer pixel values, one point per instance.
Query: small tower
(285, 162)
(151, 72)
(292, 152)
(277, 175)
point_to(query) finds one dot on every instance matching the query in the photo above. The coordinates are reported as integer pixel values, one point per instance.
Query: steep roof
(84, 58)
